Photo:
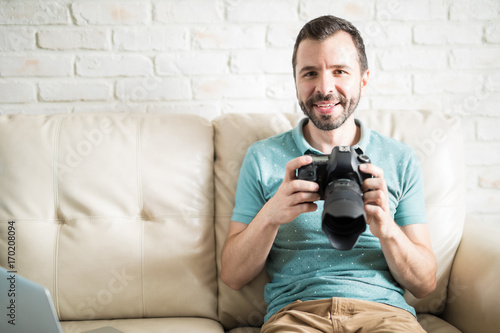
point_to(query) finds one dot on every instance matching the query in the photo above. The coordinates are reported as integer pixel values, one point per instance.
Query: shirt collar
(305, 147)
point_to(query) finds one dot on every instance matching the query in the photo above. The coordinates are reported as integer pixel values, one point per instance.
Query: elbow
(426, 288)
(229, 280)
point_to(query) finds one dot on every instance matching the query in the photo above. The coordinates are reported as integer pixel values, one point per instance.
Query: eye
(339, 72)
(310, 74)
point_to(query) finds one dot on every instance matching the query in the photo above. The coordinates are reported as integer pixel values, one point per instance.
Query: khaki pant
(341, 315)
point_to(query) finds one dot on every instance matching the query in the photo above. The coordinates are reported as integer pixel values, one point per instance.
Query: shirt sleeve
(411, 206)
(249, 198)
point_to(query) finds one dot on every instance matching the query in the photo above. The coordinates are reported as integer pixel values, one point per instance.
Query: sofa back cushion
(112, 212)
(438, 143)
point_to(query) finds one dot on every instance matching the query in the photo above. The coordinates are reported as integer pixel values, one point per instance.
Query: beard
(328, 122)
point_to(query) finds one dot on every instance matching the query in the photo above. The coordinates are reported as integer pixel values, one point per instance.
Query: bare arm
(407, 249)
(247, 246)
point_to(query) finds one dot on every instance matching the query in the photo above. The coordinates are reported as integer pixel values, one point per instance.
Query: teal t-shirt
(302, 265)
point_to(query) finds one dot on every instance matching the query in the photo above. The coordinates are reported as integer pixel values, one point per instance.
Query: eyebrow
(314, 68)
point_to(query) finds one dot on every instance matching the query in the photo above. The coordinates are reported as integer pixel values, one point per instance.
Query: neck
(346, 135)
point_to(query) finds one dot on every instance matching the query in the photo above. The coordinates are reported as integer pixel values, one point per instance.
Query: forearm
(412, 265)
(245, 253)
(247, 246)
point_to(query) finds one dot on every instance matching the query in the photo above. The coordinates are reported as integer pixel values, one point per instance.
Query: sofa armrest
(473, 303)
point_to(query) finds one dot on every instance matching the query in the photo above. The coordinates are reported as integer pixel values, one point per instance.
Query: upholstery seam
(55, 157)
(138, 158)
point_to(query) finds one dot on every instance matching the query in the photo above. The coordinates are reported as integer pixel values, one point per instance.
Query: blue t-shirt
(302, 264)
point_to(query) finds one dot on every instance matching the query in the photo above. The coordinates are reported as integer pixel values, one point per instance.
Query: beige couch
(123, 217)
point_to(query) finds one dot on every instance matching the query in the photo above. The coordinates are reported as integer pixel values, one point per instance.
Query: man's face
(328, 80)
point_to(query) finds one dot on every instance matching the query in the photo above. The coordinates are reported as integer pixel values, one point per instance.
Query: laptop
(26, 306)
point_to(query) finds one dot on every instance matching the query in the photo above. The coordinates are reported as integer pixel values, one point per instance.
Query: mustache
(326, 98)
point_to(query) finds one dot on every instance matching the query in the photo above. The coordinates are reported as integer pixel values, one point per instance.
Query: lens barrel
(344, 218)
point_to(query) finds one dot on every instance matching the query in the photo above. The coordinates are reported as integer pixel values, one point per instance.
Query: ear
(364, 82)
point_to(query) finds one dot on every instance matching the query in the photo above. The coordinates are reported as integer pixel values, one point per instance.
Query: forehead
(338, 49)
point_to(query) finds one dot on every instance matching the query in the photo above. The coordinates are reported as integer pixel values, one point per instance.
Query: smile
(326, 108)
(326, 105)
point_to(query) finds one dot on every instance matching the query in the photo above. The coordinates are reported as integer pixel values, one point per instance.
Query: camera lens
(344, 217)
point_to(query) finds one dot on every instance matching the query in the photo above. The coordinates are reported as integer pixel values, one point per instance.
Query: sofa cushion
(428, 322)
(233, 134)
(113, 212)
(147, 325)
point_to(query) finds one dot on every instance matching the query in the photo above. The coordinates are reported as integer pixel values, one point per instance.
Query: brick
(470, 10)
(492, 81)
(411, 10)
(477, 58)
(385, 33)
(413, 58)
(229, 37)
(192, 63)
(17, 92)
(487, 129)
(35, 108)
(405, 103)
(114, 106)
(146, 39)
(207, 11)
(273, 61)
(282, 35)
(259, 106)
(208, 110)
(479, 154)
(476, 103)
(114, 13)
(17, 39)
(262, 11)
(381, 83)
(468, 129)
(490, 178)
(75, 90)
(446, 82)
(113, 65)
(352, 10)
(153, 89)
(34, 13)
(68, 39)
(280, 87)
(448, 33)
(492, 32)
(36, 65)
(229, 86)
(483, 201)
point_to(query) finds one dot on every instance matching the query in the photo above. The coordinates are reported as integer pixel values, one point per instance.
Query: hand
(376, 200)
(294, 196)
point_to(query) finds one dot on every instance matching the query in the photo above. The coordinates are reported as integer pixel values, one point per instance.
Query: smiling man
(276, 221)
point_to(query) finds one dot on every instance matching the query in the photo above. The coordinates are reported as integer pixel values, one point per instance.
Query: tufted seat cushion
(113, 213)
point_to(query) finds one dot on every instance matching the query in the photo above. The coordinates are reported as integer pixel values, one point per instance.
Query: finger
(306, 208)
(376, 198)
(374, 211)
(304, 197)
(372, 184)
(372, 169)
(293, 165)
(299, 185)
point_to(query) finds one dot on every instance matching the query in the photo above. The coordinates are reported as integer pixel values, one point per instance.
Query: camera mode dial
(363, 158)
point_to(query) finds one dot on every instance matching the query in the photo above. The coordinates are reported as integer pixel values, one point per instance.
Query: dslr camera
(339, 179)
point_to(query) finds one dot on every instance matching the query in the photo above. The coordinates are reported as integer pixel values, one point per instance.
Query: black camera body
(339, 179)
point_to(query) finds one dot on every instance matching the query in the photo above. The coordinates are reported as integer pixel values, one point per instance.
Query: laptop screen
(25, 306)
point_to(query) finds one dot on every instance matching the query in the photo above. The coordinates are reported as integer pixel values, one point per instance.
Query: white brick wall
(210, 57)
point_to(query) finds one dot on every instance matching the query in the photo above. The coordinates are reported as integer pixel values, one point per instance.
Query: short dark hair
(325, 26)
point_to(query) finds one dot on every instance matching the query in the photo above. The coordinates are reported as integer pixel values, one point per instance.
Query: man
(277, 217)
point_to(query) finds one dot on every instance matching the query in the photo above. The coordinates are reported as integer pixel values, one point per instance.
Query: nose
(325, 84)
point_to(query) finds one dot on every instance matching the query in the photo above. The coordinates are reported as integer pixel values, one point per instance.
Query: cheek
(304, 91)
